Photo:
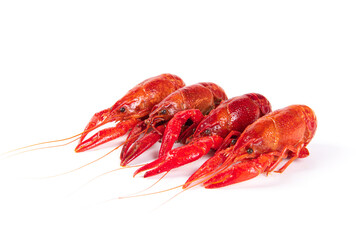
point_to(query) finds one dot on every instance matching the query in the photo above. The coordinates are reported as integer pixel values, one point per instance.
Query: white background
(62, 61)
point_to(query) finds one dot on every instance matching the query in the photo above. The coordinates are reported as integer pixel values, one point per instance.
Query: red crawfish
(129, 110)
(284, 133)
(203, 96)
(215, 131)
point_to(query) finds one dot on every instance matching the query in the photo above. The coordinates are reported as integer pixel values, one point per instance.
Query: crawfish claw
(106, 135)
(141, 145)
(173, 129)
(234, 173)
(181, 156)
(96, 121)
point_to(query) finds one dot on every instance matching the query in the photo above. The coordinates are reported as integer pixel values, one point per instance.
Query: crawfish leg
(106, 135)
(180, 156)
(173, 128)
(288, 151)
(274, 164)
(304, 152)
(301, 151)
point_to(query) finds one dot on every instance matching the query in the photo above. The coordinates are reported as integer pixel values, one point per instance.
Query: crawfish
(203, 96)
(215, 131)
(284, 133)
(129, 110)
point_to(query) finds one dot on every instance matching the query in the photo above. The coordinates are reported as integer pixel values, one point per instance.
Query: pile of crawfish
(247, 137)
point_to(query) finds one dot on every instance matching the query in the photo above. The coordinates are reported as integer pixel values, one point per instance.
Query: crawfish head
(162, 112)
(128, 108)
(210, 126)
(131, 108)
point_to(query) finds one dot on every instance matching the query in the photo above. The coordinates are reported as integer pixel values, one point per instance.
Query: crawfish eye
(122, 109)
(163, 112)
(233, 141)
(207, 131)
(249, 150)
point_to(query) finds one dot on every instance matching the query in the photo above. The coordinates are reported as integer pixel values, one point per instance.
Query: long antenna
(34, 149)
(94, 161)
(152, 193)
(42, 143)
(77, 136)
(87, 164)
(152, 185)
(106, 173)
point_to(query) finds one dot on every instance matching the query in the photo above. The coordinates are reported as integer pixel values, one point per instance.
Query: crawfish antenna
(76, 136)
(17, 151)
(94, 161)
(106, 173)
(151, 193)
(42, 143)
(87, 164)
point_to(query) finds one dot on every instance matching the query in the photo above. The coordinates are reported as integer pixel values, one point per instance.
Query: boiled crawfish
(284, 133)
(129, 110)
(215, 131)
(203, 97)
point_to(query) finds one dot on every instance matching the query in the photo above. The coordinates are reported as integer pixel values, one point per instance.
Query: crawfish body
(284, 133)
